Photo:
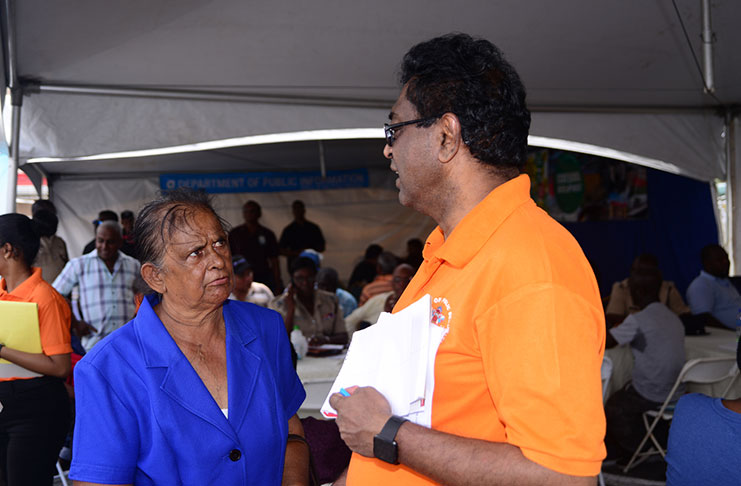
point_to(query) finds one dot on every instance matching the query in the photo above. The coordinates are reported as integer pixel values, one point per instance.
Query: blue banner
(266, 181)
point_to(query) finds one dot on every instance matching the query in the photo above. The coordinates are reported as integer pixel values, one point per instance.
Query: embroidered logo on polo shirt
(441, 313)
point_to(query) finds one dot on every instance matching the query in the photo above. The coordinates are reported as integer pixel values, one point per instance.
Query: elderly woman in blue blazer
(196, 389)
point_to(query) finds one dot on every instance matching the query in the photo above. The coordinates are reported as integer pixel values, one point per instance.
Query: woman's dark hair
(46, 222)
(470, 78)
(22, 234)
(43, 204)
(302, 262)
(159, 219)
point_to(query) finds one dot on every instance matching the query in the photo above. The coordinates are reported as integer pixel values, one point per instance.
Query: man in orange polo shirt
(517, 396)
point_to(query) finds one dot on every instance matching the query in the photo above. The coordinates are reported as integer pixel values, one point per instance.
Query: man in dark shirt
(300, 235)
(258, 244)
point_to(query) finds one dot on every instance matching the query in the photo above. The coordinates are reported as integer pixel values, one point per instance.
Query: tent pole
(322, 162)
(707, 47)
(732, 180)
(16, 99)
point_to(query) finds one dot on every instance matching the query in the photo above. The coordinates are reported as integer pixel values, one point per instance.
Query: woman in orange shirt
(35, 407)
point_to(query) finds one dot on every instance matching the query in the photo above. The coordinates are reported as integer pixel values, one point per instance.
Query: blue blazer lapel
(180, 381)
(243, 365)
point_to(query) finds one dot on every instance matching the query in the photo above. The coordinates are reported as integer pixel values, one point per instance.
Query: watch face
(385, 450)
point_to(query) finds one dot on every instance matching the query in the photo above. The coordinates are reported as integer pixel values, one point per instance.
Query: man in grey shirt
(656, 338)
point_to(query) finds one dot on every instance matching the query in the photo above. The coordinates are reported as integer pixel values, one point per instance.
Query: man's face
(298, 211)
(413, 157)
(243, 281)
(250, 213)
(401, 277)
(107, 241)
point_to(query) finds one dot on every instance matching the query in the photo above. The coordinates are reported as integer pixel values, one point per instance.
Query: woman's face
(303, 280)
(197, 268)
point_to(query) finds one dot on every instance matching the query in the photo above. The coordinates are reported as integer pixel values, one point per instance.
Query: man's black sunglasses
(389, 130)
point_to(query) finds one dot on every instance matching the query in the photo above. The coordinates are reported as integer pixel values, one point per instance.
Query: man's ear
(451, 138)
(153, 276)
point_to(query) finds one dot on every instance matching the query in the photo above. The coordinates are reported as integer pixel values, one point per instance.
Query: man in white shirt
(245, 289)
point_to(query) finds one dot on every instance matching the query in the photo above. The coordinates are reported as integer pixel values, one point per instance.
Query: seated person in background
(52, 255)
(704, 441)
(365, 271)
(104, 215)
(621, 303)
(316, 312)
(711, 294)
(414, 253)
(328, 280)
(656, 338)
(382, 283)
(367, 314)
(245, 289)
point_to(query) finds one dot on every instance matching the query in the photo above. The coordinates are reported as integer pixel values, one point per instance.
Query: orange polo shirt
(54, 313)
(521, 361)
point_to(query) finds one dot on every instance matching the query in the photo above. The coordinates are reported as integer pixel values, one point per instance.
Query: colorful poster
(575, 187)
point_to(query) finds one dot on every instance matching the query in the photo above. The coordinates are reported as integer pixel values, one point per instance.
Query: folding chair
(606, 376)
(61, 474)
(701, 370)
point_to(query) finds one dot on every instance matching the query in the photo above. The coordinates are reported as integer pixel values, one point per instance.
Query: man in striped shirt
(105, 278)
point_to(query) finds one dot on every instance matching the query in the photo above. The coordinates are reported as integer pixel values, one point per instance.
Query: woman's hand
(296, 468)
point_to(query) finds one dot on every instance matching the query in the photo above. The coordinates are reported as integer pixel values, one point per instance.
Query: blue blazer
(145, 417)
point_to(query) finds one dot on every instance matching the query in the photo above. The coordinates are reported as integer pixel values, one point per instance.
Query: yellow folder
(19, 326)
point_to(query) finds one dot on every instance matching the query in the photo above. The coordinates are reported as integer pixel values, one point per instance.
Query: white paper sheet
(397, 357)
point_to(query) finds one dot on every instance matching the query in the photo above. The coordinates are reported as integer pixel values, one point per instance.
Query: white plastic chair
(701, 370)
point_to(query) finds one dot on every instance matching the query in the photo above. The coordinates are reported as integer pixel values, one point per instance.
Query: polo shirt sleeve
(626, 331)
(290, 388)
(68, 278)
(106, 444)
(542, 351)
(54, 323)
(700, 296)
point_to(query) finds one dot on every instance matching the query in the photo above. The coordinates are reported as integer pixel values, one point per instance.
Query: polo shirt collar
(713, 277)
(479, 224)
(25, 289)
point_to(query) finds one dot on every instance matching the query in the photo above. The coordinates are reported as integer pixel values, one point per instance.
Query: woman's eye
(219, 243)
(195, 253)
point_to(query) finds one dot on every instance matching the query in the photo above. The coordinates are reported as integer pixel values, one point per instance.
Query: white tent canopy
(107, 77)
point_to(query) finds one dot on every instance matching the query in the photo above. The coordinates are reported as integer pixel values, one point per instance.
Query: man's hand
(360, 417)
(82, 328)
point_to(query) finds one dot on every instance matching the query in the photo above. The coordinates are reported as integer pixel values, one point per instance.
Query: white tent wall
(350, 219)
(733, 231)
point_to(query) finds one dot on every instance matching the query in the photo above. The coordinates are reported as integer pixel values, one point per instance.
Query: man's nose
(387, 152)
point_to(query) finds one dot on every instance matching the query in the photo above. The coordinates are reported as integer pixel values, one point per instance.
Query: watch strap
(384, 443)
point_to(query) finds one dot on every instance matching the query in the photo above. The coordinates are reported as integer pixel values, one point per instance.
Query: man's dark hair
(255, 204)
(327, 279)
(708, 252)
(372, 252)
(22, 234)
(645, 283)
(386, 263)
(127, 214)
(46, 222)
(470, 78)
(43, 204)
(159, 219)
(107, 215)
(302, 262)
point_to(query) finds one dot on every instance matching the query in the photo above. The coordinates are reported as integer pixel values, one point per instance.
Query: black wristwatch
(385, 447)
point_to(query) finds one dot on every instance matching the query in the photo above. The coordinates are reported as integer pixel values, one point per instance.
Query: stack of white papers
(396, 356)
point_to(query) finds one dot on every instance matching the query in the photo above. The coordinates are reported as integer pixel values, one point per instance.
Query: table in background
(317, 376)
(718, 343)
